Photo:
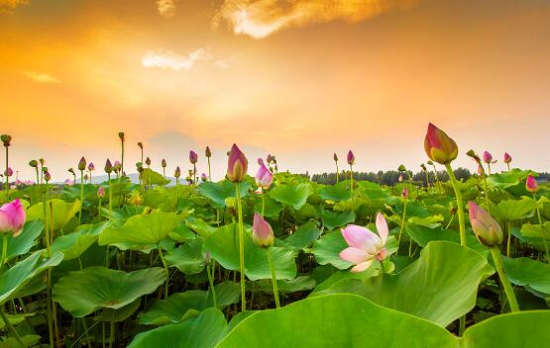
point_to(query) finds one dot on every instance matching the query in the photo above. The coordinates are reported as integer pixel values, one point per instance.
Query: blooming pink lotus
(439, 146)
(12, 218)
(264, 177)
(365, 246)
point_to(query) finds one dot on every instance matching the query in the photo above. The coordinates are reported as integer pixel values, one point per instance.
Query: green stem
(403, 221)
(86, 329)
(4, 250)
(509, 240)
(99, 211)
(495, 252)
(263, 203)
(7, 177)
(382, 268)
(485, 188)
(462, 325)
(112, 333)
(351, 187)
(37, 177)
(427, 181)
(122, 160)
(10, 327)
(273, 278)
(337, 173)
(241, 245)
(460, 205)
(110, 197)
(165, 271)
(49, 308)
(210, 273)
(439, 187)
(209, 177)
(81, 196)
(543, 230)
(508, 164)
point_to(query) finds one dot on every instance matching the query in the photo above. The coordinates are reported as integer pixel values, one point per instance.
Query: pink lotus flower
(12, 218)
(405, 193)
(351, 158)
(260, 161)
(262, 233)
(237, 164)
(487, 230)
(108, 166)
(507, 158)
(8, 172)
(488, 158)
(204, 177)
(100, 192)
(531, 184)
(91, 166)
(264, 177)
(365, 246)
(439, 146)
(193, 157)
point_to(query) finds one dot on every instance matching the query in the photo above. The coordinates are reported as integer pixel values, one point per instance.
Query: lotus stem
(209, 177)
(337, 173)
(112, 333)
(4, 250)
(495, 253)
(7, 176)
(241, 245)
(273, 278)
(403, 222)
(11, 327)
(263, 203)
(210, 273)
(165, 271)
(543, 229)
(460, 205)
(81, 196)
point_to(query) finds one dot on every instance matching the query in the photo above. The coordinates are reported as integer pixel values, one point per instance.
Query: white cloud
(168, 60)
(166, 8)
(222, 64)
(40, 77)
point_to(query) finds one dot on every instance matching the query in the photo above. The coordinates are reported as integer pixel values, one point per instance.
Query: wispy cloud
(40, 77)
(168, 60)
(7, 6)
(261, 18)
(222, 64)
(166, 8)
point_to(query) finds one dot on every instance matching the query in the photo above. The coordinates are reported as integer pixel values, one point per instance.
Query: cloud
(166, 8)
(222, 64)
(169, 60)
(40, 77)
(261, 18)
(7, 6)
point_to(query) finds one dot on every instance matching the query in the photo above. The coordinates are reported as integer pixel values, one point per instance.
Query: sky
(300, 79)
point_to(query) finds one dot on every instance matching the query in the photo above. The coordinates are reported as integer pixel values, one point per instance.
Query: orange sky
(297, 78)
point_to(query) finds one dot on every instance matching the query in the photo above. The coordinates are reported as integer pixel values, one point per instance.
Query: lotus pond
(272, 259)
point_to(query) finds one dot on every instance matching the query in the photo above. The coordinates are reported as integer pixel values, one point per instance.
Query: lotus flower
(237, 164)
(82, 164)
(439, 146)
(108, 167)
(100, 192)
(204, 177)
(33, 163)
(531, 184)
(262, 233)
(207, 152)
(365, 246)
(507, 158)
(12, 218)
(488, 158)
(91, 166)
(8, 172)
(335, 157)
(264, 177)
(163, 163)
(193, 157)
(487, 230)
(405, 193)
(48, 176)
(351, 158)
(177, 172)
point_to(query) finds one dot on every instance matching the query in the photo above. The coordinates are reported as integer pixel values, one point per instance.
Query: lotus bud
(82, 164)
(237, 165)
(487, 230)
(6, 139)
(402, 168)
(351, 158)
(44, 169)
(140, 144)
(264, 177)
(86, 177)
(71, 170)
(91, 166)
(260, 161)
(507, 158)
(531, 184)
(100, 192)
(204, 177)
(207, 152)
(108, 167)
(8, 172)
(42, 161)
(117, 166)
(405, 193)
(439, 146)
(163, 163)
(207, 258)
(121, 136)
(33, 163)
(262, 233)
(148, 161)
(335, 157)
(430, 163)
(48, 176)
(193, 157)
(487, 157)
(177, 173)
(12, 218)
(423, 166)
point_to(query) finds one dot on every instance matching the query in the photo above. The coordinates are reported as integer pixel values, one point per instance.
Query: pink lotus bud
(193, 157)
(335, 157)
(439, 146)
(204, 177)
(264, 177)
(117, 166)
(163, 163)
(351, 158)
(8, 172)
(260, 161)
(177, 173)
(47, 176)
(108, 167)
(82, 164)
(487, 230)
(100, 192)
(531, 184)
(507, 158)
(85, 177)
(405, 193)
(12, 218)
(207, 152)
(262, 233)
(487, 157)
(237, 164)
(91, 166)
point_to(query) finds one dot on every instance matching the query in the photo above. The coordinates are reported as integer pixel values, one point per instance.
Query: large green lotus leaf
(536, 230)
(118, 315)
(292, 195)
(524, 271)
(341, 275)
(529, 329)
(511, 210)
(432, 221)
(328, 248)
(74, 244)
(272, 208)
(83, 292)
(303, 236)
(21, 244)
(150, 177)
(440, 286)
(302, 283)
(223, 246)
(507, 179)
(218, 192)
(337, 320)
(63, 212)
(29, 340)
(141, 231)
(176, 307)
(423, 235)
(203, 331)
(201, 227)
(338, 192)
(15, 278)
(334, 219)
(187, 258)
